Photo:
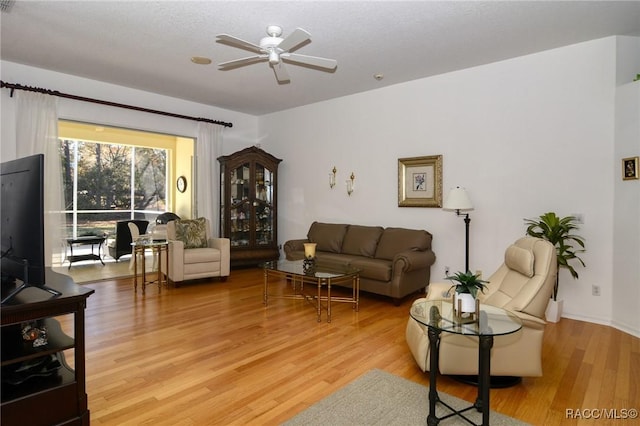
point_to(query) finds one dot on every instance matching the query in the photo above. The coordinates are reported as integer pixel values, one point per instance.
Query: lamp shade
(457, 199)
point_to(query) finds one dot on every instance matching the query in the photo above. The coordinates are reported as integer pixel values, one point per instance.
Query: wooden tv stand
(59, 398)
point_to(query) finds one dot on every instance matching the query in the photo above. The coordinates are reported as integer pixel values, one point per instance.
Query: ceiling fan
(276, 50)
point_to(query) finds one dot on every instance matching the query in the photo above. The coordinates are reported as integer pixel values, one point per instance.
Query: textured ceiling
(147, 45)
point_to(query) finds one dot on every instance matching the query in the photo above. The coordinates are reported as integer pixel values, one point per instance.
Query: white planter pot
(468, 302)
(554, 310)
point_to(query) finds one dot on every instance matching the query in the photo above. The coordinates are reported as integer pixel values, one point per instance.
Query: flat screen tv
(22, 226)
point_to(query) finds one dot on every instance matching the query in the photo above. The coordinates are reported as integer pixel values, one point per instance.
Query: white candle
(310, 250)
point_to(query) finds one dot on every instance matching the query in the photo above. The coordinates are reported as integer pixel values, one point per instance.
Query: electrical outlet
(446, 271)
(595, 290)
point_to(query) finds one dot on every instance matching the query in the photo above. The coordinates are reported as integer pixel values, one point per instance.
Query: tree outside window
(104, 183)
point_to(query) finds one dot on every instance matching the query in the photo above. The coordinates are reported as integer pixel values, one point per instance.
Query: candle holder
(309, 266)
(350, 183)
(332, 177)
(310, 250)
(309, 262)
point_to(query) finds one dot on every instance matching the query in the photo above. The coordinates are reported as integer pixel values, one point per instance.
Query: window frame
(179, 151)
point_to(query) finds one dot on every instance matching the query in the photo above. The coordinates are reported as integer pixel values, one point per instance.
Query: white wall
(626, 241)
(524, 136)
(241, 135)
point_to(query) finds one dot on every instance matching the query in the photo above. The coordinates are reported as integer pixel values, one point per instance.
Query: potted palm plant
(559, 232)
(466, 287)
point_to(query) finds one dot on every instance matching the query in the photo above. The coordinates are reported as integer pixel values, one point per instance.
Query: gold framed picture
(630, 168)
(420, 181)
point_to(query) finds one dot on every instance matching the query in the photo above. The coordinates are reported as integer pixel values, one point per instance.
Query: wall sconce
(332, 177)
(350, 184)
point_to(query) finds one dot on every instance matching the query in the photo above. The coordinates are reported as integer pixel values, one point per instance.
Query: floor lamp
(458, 200)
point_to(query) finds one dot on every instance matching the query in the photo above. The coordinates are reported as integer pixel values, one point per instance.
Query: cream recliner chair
(212, 260)
(522, 285)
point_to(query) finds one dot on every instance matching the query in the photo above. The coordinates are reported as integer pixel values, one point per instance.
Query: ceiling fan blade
(330, 64)
(297, 37)
(236, 42)
(243, 61)
(281, 73)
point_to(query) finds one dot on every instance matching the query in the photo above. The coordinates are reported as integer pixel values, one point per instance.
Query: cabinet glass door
(240, 206)
(264, 205)
(249, 205)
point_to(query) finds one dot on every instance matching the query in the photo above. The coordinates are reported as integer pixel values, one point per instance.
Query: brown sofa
(393, 262)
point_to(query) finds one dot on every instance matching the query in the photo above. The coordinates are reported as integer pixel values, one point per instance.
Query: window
(112, 174)
(107, 182)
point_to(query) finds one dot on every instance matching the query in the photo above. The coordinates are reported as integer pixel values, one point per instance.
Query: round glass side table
(439, 316)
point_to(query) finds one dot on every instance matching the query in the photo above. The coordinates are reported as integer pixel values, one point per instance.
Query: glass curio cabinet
(248, 205)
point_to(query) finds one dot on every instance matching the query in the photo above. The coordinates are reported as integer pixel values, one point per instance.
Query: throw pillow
(520, 260)
(192, 232)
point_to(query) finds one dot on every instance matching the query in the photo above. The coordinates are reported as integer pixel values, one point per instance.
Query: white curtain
(37, 133)
(208, 149)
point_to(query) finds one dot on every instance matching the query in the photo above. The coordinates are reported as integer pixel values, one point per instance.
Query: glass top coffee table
(439, 316)
(300, 272)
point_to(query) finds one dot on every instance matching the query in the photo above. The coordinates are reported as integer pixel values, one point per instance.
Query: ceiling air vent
(6, 5)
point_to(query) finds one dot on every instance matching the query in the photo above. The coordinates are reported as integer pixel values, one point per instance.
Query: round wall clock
(182, 184)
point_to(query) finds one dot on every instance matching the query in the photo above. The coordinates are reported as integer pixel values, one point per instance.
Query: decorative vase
(554, 310)
(467, 301)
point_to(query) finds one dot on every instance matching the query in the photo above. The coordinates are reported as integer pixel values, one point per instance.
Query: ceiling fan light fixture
(274, 58)
(6, 5)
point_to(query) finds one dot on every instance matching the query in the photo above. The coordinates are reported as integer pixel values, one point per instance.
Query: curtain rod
(98, 101)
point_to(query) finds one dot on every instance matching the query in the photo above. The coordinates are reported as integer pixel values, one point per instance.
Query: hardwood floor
(211, 353)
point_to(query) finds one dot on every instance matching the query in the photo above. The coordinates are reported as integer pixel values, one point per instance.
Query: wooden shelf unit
(59, 398)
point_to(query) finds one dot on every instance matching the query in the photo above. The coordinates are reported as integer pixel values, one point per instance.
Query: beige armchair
(522, 285)
(211, 259)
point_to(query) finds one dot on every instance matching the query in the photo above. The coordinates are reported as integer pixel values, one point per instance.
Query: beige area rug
(380, 398)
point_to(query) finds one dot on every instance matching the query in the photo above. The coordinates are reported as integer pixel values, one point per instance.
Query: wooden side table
(89, 240)
(157, 249)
